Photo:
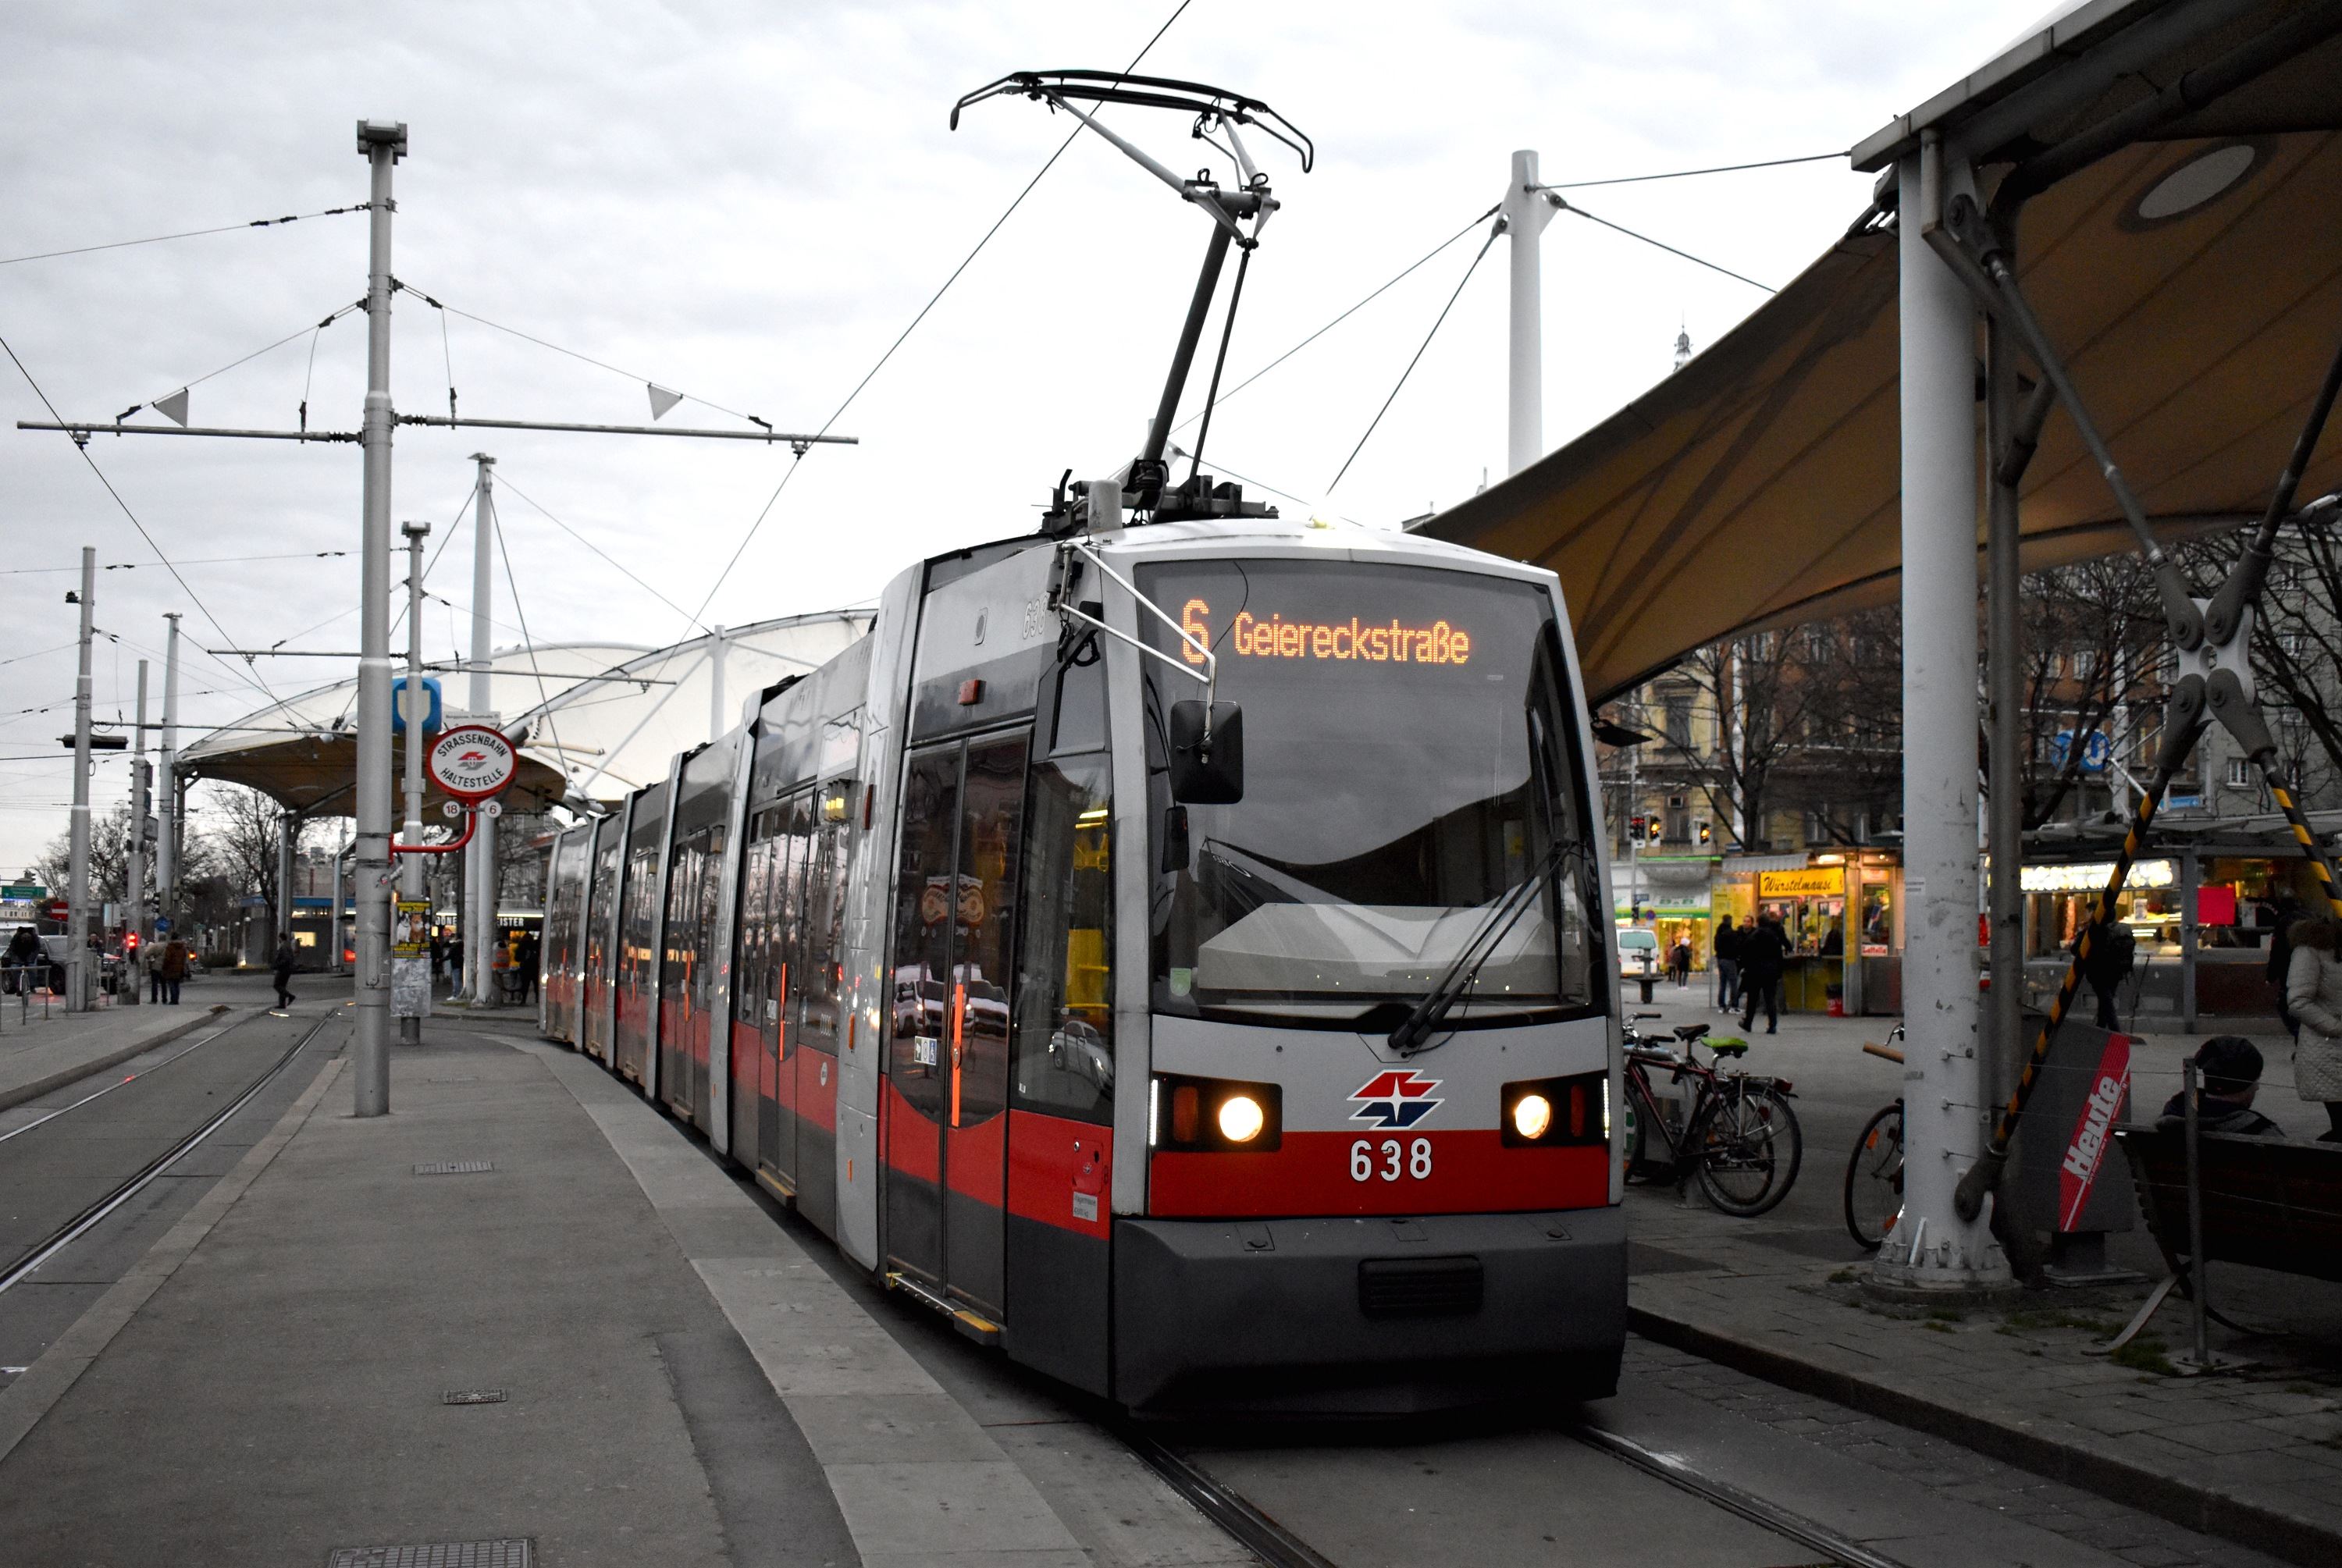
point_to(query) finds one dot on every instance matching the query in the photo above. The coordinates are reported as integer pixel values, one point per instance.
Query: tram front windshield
(1410, 756)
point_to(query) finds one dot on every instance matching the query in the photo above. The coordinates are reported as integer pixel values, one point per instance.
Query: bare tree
(109, 857)
(243, 829)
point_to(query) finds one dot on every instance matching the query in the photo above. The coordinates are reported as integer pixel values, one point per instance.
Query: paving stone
(2222, 1436)
(2152, 1556)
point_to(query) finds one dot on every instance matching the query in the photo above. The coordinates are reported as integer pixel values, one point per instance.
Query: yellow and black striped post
(2318, 863)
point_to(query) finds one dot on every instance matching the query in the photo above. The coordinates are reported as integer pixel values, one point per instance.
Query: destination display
(1395, 641)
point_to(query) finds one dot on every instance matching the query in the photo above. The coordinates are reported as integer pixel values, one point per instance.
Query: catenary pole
(382, 143)
(480, 878)
(1526, 213)
(715, 723)
(418, 709)
(77, 921)
(1931, 1248)
(166, 843)
(134, 912)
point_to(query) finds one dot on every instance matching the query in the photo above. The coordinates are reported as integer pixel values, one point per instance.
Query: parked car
(1638, 952)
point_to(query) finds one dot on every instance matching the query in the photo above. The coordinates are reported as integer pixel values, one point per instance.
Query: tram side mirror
(1202, 773)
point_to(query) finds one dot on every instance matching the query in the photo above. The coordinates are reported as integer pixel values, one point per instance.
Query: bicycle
(1874, 1173)
(1740, 1136)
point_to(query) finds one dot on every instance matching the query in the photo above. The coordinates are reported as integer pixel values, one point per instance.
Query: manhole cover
(473, 1396)
(454, 1168)
(521, 1553)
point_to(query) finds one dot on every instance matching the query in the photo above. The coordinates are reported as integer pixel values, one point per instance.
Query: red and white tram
(1175, 949)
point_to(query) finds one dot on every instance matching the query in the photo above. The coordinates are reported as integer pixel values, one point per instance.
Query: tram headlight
(1556, 1113)
(1241, 1118)
(1194, 1115)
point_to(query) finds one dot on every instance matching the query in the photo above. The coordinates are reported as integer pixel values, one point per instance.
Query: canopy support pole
(1932, 1249)
(1526, 212)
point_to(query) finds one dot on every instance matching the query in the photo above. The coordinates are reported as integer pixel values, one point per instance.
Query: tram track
(127, 1078)
(1277, 1546)
(95, 1213)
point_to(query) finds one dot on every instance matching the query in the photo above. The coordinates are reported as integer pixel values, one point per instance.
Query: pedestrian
(174, 969)
(2113, 951)
(2280, 959)
(1764, 955)
(282, 967)
(1727, 967)
(2230, 1066)
(529, 950)
(438, 954)
(2314, 991)
(152, 956)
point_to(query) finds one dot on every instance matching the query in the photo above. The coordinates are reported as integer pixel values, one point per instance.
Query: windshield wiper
(1463, 971)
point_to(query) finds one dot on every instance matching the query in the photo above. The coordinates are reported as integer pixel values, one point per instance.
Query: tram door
(956, 906)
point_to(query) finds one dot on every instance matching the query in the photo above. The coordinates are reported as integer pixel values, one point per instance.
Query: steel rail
(1258, 1533)
(1671, 1469)
(82, 1224)
(125, 1078)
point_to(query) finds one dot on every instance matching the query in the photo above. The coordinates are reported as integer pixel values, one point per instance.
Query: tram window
(710, 913)
(825, 926)
(1411, 764)
(1064, 992)
(789, 942)
(923, 930)
(1081, 704)
(991, 865)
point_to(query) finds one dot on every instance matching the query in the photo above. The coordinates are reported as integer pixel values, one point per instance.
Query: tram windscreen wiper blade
(1463, 971)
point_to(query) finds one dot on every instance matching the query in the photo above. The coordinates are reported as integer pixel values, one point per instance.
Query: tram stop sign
(471, 762)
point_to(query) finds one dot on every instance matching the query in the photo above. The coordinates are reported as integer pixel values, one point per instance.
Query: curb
(2181, 1502)
(114, 1058)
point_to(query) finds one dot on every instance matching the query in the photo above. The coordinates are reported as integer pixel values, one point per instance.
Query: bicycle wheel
(1874, 1178)
(1750, 1147)
(1639, 1110)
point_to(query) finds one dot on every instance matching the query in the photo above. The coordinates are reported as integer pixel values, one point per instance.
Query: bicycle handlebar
(1888, 1052)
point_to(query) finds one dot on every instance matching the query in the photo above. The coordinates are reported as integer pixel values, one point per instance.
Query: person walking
(1727, 967)
(2313, 989)
(174, 969)
(151, 957)
(285, 957)
(525, 955)
(1764, 957)
(2113, 951)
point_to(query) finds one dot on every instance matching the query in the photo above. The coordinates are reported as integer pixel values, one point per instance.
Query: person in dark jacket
(1763, 956)
(2231, 1069)
(286, 958)
(1728, 966)
(174, 969)
(2113, 951)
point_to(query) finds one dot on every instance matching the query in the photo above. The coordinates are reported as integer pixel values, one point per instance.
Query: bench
(2267, 1203)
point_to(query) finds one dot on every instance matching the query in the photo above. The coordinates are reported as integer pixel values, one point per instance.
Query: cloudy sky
(748, 203)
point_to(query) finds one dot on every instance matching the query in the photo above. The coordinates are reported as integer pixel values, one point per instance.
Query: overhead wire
(1697, 261)
(695, 618)
(1346, 315)
(505, 478)
(247, 359)
(544, 698)
(248, 674)
(198, 561)
(1687, 173)
(185, 234)
(1361, 446)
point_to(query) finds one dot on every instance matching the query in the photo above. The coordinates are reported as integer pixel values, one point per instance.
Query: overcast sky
(747, 203)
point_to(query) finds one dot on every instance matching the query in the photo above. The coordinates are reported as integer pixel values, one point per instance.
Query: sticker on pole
(2086, 1151)
(472, 762)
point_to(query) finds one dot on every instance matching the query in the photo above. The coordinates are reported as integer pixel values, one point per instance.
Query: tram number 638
(1390, 1159)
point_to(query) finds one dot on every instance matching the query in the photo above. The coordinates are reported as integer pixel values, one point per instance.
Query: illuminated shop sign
(1815, 882)
(1272, 636)
(2092, 877)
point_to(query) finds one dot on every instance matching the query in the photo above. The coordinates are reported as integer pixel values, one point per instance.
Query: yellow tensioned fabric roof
(1760, 484)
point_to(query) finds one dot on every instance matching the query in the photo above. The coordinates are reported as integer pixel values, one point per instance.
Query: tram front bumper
(1367, 1317)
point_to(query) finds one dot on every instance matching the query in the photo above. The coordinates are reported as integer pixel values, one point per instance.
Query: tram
(1171, 945)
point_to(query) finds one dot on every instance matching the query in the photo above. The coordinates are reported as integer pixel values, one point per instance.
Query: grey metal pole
(717, 725)
(410, 874)
(77, 976)
(134, 914)
(2190, 1086)
(168, 842)
(1526, 212)
(288, 833)
(480, 881)
(2004, 656)
(1932, 1247)
(382, 145)
(2191, 885)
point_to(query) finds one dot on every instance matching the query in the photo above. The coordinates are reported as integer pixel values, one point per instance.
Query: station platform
(521, 1319)
(43, 1047)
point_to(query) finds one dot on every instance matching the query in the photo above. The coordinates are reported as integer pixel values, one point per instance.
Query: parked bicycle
(1739, 1135)
(1874, 1173)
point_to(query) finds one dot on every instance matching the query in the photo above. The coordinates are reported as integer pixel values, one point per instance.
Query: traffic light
(130, 944)
(1651, 831)
(1702, 833)
(1635, 826)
